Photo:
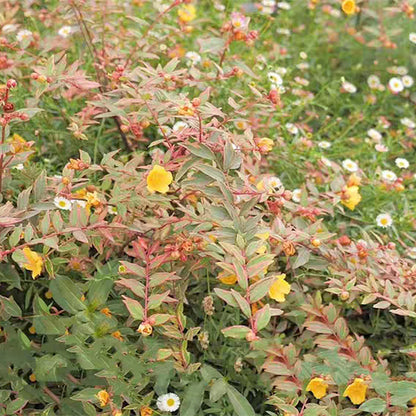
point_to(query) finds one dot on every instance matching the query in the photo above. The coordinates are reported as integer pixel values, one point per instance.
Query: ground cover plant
(207, 208)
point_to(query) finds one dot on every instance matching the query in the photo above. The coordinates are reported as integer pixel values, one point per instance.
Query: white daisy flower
(349, 165)
(373, 82)
(407, 81)
(179, 126)
(112, 210)
(324, 144)
(283, 5)
(384, 220)
(275, 78)
(281, 70)
(241, 124)
(408, 123)
(381, 148)
(168, 402)
(65, 31)
(412, 37)
(62, 203)
(19, 166)
(396, 85)
(23, 35)
(326, 162)
(272, 182)
(80, 202)
(402, 163)
(296, 193)
(401, 70)
(164, 130)
(348, 87)
(193, 58)
(374, 134)
(388, 175)
(292, 129)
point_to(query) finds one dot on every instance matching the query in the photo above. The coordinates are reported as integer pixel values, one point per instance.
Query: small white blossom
(349, 165)
(388, 175)
(62, 203)
(168, 402)
(384, 220)
(402, 163)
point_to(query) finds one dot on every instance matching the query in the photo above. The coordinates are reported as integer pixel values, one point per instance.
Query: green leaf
(192, 400)
(236, 331)
(67, 294)
(240, 404)
(373, 405)
(134, 307)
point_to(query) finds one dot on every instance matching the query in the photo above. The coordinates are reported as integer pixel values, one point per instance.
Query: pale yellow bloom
(227, 279)
(349, 7)
(103, 397)
(318, 386)
(279, 289)
(34, 262)
(187, 13)
(351, 197)
(159, 179)
(356, 391)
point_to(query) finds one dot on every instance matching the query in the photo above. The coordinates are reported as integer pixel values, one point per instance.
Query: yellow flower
(265, 144)
(413, 411)
(356, 391)
(262, 249)
(354, 180)
(349, 7)
(159, 180)
(187, 13)
(32, 378)
(280, 288)
(34, 262)
(32, 330)
(106, 312)
(117, 335)
(145, 329)
(227, 279)
(146, 411)
(318, 387)
(351, 197)
(103, 397)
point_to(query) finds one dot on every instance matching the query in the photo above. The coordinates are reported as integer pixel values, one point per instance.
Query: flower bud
(11, 84)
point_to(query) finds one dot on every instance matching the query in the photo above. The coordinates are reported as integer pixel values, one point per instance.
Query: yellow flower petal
(159, 180)
(34, 262)
(318, 386)
(279, 289)
(356, 391)
(227, 279)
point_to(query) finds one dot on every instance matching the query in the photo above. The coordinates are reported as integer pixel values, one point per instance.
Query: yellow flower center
(170, 402)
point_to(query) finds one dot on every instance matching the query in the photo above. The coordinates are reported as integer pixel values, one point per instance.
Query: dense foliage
(207, 207)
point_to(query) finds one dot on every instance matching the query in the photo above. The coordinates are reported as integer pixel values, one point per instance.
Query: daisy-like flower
(292, 129)
(396, 85)
(384, 220)
(296, 194)
(407, 81)
(65, 31)
(407, 122)
(275, 78)
(388, 175)
(168, 402)
(324, 144)
(239, 21)
(62, 203)
(283, 5)
(23, 35)
(19, 166)
(349, 165)
(412, 37)
(349, 87)
(193, 58)
(179, 126)
(373, 82)
(374, 134)
(402, 163)
(326, 162)
(381, 148)
(159, 179)
(241, 124)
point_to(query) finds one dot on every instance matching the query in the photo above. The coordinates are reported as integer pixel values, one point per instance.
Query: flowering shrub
(199, 216)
